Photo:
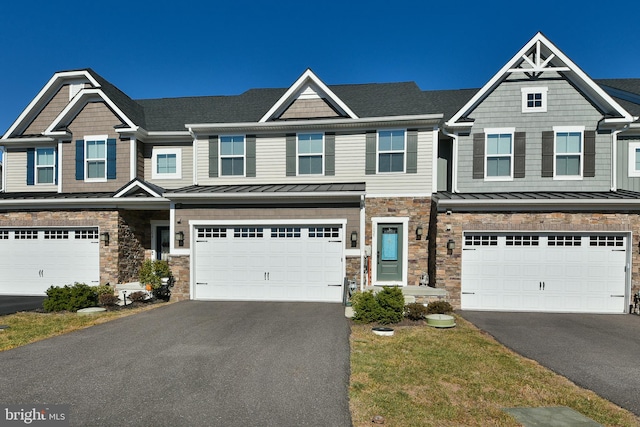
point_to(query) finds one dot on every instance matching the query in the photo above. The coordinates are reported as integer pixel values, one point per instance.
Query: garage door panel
(543, 272)
(292, 263)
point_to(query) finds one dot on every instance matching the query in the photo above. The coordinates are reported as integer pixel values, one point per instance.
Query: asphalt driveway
(193, 363)
(597, 352)
(14, 303)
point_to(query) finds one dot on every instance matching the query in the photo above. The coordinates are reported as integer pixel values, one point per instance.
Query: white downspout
(362, 240)
(454, 160)
(194, 156)
(614, 159)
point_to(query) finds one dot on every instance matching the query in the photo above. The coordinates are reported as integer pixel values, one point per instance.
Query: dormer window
(534, 99)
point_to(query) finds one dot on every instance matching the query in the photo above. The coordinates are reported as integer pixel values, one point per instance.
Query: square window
(310, 154)
(391, 151)
(232, 158)
(634, 160)
(166, 163)
(534, 99)
(45, 165)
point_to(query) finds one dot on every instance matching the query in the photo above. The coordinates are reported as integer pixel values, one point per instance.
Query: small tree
(152, 272)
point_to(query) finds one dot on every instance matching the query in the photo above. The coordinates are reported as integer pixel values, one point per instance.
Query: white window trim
(495, 131)
(233, 156)
(87, 139)
(559, 129)
(36, 167)
(632, 171)
(298, 155)
(532, 90)
(154, 163)
(378, 152)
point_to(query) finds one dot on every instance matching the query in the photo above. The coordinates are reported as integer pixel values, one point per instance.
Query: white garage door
(278, 263)
(32, 260)
(544, 272)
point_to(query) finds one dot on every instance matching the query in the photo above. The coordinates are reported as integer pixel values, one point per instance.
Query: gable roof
(536, 57)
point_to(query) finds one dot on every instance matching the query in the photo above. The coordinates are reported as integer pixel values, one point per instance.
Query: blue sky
(169, 49)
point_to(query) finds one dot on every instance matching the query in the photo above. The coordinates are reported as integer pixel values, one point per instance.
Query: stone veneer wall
(180, 268)
(447, 265)
(352, 269)
(104, 220)
(418, 210)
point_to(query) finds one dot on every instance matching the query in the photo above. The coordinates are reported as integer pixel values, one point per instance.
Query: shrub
(103, 289)
(138, 296)
(415, 311)
(107, 300)
(70, 298)
(385, 307)
(439, 307)
(151, 272)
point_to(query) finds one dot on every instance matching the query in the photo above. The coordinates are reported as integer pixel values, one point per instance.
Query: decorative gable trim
(72, 109)
(45, 95)
(137, 185)
(539, 55)
(308, 86)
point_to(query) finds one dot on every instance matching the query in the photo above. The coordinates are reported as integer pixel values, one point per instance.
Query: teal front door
(389, 254)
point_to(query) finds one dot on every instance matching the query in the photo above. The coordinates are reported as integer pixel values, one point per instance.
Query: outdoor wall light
(180, 238)
(104, 238)
(419, 232)
(354, 239)
(451, 244)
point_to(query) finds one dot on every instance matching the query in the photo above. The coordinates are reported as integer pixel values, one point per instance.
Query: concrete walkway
(193, 364)
(597, 352)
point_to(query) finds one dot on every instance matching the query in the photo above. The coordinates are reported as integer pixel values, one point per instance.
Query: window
(568, 152)
(310, 153)
(499, 153)
(96, 158)
(166, 163)
(534, 99)
(45, 165)
(480, 240)
(232, 155)
(391, 147)
(634, 159)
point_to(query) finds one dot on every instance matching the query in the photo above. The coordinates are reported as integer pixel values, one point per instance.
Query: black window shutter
(519, 154)
(80, 159)
(213, 156)
(330, 154)
(291, 155)
(111, 158)
(251, 156)
(478, 156)
(589, 154)
(31, 166)
(412, 151)
(547, 154)
(370, 156)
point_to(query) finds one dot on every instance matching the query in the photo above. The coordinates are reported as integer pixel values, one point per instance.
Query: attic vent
(309, 92)
(74, 88)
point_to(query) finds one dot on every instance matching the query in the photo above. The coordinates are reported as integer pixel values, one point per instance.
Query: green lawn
(424, 376)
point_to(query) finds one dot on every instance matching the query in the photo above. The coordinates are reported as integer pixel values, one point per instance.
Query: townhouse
(520, 195)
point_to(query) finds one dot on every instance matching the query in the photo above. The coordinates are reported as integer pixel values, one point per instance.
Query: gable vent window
(534, 99)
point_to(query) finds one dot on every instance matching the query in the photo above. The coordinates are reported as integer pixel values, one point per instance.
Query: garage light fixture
(451, 244)
(419, 232)
(104, 238)
(354, 239)
(180, 238)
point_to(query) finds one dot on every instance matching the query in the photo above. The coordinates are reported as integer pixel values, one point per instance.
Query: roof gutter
(537, 204)
(407, 120)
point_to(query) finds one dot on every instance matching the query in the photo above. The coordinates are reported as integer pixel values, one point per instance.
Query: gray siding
(565, 107)
(622, 156)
